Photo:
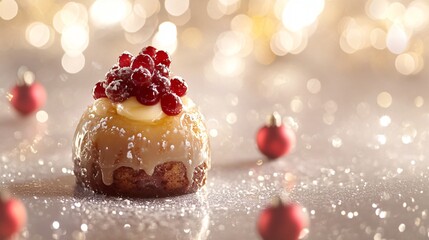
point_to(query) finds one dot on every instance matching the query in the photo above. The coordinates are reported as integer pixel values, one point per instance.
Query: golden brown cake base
(168, 179)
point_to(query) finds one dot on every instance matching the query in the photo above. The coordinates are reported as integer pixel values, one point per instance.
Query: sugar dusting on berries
(117, 91)
(145, 76)
(179, 86)
(125, 59)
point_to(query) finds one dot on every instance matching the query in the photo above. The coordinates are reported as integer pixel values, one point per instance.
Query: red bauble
(282, 221)
(275, 139)
(27, 96)
(12, 216)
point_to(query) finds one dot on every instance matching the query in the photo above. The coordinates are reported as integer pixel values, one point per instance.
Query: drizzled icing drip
(113, 141)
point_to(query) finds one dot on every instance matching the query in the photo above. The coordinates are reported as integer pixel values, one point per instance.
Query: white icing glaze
(111, 140)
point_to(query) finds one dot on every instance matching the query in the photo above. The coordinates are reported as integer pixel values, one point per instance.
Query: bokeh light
(384, 99)
(108, 12)
(38, 34)
(284, 42)
(314, 85)
(385, 121)
(296, 105)
(73, 63)
(355, 35)
(299, 14)
(228, 66)
(409, 63)
(377, 38)
(8, 9)
(133, 22)
(176, 8)
(73, 12)
(397, 39)
(42, 116)
(166, 37)
(146, 8)
(392, 25)
(416, 16)
(234, 43)
(242, 23)
(262, 30)
(377, 9)
(382, 139)
(74, 39)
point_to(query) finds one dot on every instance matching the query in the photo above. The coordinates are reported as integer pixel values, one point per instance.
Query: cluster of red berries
(145, 76)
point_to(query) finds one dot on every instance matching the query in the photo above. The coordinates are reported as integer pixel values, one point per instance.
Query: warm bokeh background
(350, 77)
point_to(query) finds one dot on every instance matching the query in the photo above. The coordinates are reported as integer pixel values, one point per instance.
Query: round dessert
(142, 136)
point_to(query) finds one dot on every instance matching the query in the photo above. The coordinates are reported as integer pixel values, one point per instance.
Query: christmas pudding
(142, 136)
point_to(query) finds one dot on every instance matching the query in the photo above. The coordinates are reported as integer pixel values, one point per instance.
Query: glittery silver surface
(359, 167)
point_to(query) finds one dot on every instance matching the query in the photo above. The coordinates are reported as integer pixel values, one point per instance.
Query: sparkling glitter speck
(55, 225)
(401, 227)
(84, 227)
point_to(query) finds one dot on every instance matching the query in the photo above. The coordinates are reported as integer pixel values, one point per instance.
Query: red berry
(124, 73)
(179, 86)
(144, 61)
(117, 91)
(27, 99)
(171, 104)
(162, 83)
(141, 76)
(147, 94)
(118, 73)
(12, 217)
(162, 70)
(111, 74)
(131, 88)
(99, 91)
(163, 58)
(149, 50)
(282, 222)
(125, 59)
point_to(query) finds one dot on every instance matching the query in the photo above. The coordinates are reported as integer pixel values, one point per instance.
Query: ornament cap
(274, 120)
(277, 201)
(25, 77)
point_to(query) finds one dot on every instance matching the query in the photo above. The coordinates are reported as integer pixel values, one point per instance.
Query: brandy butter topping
(133, 110)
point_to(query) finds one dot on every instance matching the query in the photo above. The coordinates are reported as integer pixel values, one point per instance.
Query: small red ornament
(275, 139)
(12, 216)
(27, 96)
(282, 221)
